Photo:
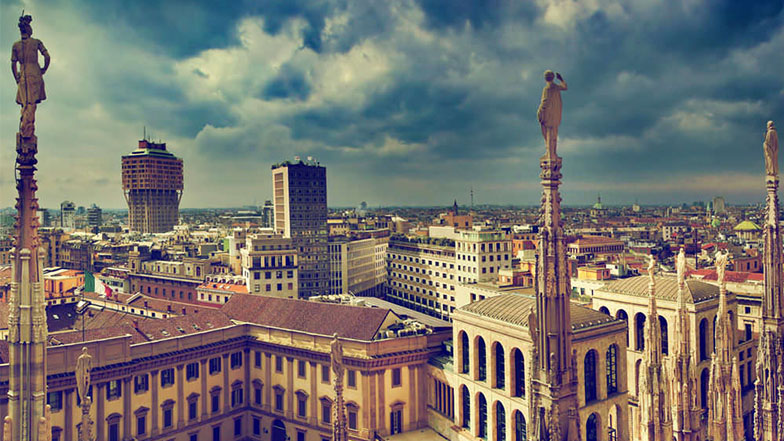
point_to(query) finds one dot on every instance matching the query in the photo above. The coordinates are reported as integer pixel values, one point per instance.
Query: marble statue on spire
(550, 109)
(771, 148)
(29, 75)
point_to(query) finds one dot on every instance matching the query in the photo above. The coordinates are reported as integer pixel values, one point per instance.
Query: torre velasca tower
(152, 183)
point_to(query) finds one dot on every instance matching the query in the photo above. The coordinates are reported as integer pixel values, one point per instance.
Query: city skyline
(410, 105)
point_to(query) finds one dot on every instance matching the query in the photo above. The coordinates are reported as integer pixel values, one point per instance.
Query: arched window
(482, 417)
(590, 376)
(500, 422)
(704, 388)
(703, 339)
(500, 371)
(592, 428)
(664, 335)
(604, 310)
(639, 330)
(622, 315)
(466, 408)
(481, 359)
(464, 352)
(521, 432)
(519, 374)
(612, 369)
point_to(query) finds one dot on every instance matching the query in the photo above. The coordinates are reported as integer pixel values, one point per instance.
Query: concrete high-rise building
(94, 216)
(719, 205)
(67, 214)
(267, 215)
(300, 200)
(152, 183)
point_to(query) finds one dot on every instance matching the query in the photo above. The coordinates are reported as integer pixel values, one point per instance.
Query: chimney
(183, 311)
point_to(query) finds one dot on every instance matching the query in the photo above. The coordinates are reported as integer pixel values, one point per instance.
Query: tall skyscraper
(94, 216)
(300, 199)
(267, 215)
(67, 214)
(152, 183)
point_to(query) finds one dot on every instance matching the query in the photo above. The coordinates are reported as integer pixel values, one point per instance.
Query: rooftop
(666, 288)
(515, 309)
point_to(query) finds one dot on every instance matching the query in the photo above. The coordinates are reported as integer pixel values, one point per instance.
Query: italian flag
(94, 284)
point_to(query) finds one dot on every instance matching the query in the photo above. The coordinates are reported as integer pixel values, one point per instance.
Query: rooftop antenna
(472, 197)
(145, 133)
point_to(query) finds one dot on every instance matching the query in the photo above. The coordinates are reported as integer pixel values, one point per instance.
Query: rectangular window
(140, 383)
(216, 433)
(114, 432)
(192, 410)
(256, 426)
(192, 371)
(351, 378)
(257, 359)
(236, 397)
(215, 403)
(326, 412)
(278, 363)
(237, 427)
(194, 437)
(325, 372)
(113, 390)
(55, 399)
(301, 367)
(215, 365)
(167, 377)
(300, 436)
(279, 400)
(236, 360)
(396, 377)
(257, 395)
(352, 419)
(167, 418)
(302, 406)
(141, 425)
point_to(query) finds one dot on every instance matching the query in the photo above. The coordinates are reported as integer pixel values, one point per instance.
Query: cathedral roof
(747, 225)
(515, 308)
(666, 288)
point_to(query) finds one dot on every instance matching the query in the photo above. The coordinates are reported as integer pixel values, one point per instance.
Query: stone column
(370, 393)
(127, 411)
(289, 371)
(314, 399)
(382, 405)
(204, 396)
(410, 422)
(180, 397)
(226, 385)
(364, 387)
(100, 419)
(267, 406)
(154, 408)
(68, 408)
(247, 386)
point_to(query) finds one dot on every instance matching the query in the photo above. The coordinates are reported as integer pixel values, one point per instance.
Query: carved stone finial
(550, 109)
(771, 149)
(28, 75)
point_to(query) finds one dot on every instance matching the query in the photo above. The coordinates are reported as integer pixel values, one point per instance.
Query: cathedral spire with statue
(554, 380)
(769, 386)
(28, 414)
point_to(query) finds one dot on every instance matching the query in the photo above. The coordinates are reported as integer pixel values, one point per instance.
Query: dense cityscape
(298, 319)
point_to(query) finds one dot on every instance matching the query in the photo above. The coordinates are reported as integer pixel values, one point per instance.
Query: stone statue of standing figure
(771, 147)
(84, 365)
(549, 113)
(29, 74)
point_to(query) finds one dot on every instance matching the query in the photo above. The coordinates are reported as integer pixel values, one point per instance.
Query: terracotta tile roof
(666, 288)
(515, 309)
(355, 322)
(187, 324)
(234, 288)
(729, 276)
(163, 305)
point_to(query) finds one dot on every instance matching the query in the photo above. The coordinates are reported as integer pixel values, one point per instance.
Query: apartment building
(270, 265)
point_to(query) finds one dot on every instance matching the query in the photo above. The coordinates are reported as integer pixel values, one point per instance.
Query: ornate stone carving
(771, 149)
(550, 110)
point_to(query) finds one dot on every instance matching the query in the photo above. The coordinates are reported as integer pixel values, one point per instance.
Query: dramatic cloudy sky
(405, 102)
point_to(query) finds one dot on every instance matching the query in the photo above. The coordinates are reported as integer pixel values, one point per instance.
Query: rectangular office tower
(300, 200)
(152, 184)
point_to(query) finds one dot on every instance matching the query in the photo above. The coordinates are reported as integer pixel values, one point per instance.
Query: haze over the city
(405, 103)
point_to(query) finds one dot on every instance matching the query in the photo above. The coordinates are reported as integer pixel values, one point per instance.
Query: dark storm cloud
(441, 94)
